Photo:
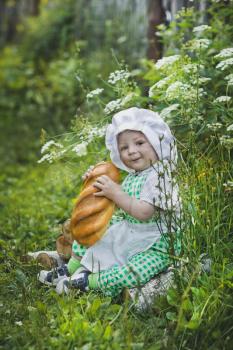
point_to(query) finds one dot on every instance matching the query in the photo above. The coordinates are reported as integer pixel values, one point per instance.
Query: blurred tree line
(47, 48)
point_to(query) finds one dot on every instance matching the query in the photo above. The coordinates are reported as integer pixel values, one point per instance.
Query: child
(141, 239)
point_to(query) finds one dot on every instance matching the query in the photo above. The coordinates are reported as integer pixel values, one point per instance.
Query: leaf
(193, 324)
(171, 316)
(108, 332)
(187, 305)
(173, 297)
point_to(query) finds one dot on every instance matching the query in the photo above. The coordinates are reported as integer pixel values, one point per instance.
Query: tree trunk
(35, 7)
(156, 16)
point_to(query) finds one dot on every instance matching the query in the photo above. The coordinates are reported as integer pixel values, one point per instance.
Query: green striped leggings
(138, 271)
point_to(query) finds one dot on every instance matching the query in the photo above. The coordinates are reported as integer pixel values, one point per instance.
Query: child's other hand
(88, 172)
(107, 187)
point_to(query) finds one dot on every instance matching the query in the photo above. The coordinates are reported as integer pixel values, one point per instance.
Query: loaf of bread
(92, 214)
(64, 241)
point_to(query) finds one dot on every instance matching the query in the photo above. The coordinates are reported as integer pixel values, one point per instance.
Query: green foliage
(192, 88)
(42, 75)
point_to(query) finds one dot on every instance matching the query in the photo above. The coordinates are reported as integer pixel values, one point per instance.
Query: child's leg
(140, 269)
(77, 253)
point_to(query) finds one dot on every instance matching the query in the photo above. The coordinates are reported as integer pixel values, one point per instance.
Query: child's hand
(88, 172)
(107, 187)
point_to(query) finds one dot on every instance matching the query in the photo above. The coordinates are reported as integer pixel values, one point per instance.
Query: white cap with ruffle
(151, 125)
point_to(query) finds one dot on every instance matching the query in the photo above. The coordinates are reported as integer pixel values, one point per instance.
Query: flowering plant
(191, 87)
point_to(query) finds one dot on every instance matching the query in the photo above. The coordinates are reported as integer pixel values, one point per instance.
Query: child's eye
(140, 143)
(123, 148)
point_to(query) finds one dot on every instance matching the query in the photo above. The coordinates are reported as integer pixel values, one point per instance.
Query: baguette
(91, 214)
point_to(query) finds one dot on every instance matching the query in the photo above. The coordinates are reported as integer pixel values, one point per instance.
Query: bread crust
(92, 214)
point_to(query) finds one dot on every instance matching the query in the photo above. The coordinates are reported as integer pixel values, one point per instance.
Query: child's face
(135, 150)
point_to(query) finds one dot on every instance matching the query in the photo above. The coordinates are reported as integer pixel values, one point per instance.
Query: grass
(196, 313)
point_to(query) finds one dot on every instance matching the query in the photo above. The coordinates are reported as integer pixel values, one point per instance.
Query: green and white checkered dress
(133, 251)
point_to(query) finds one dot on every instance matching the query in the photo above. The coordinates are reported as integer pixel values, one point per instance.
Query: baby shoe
(79, 280)
(51, 278)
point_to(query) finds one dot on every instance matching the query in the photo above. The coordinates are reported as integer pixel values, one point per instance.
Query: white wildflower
(201, 28)
(80, 149)
(96, 132)
(226, 141)
(230, 127)
(128, 98)
(47, 157)
(174, 90)
(49, 144)
(199, 44)
(228, 184)
(93, 93)
(225, 53)
(113, 106)
(190, 68)
(222, 99)
(167, 111)
(183, 91)
(166, 61)
(229, 79)
(214, 126)
(19, 323)
(203, 80)
(118, 75)
(225, 64)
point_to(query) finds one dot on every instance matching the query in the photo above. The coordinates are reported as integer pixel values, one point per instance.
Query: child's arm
(134, 207)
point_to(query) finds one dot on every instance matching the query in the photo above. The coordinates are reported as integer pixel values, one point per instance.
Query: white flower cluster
(93, 93)
(230, 127)
(48, 145)
(118, 75)
(175, 89)
(225, 64)
(165, 62)
(203, 80)
(225, 53)
(214, 126)
(202, 28)
(222, 99)
(190, 68)
(96, 132)
(113, 106)
(229, 79)
(50, 157)
(183, 91)
(52, 150)
(228, 184)
(226, 141)
(199, 44)
(80, 149)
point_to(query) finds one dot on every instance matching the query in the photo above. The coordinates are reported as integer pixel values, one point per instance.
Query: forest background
(65, 68)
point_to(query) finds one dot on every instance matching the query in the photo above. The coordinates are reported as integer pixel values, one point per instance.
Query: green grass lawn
(195, 314)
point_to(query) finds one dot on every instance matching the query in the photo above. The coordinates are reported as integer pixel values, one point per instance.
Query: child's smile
(135, 150)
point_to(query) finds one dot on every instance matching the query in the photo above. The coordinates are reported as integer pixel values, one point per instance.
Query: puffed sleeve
(161, 189)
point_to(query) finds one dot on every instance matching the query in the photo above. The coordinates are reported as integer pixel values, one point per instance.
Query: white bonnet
(150, 124)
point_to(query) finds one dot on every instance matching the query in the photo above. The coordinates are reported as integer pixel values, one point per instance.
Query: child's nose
(131, 149)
